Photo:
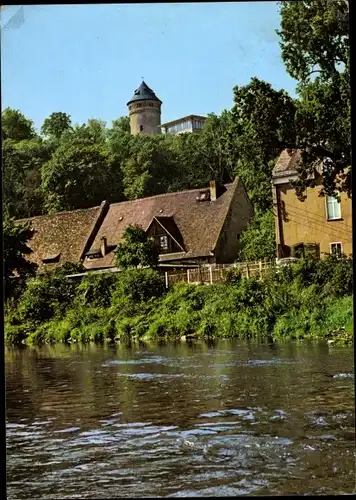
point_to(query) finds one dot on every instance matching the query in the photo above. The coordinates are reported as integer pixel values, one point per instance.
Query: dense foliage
(315, 49)
(136, 249)
(16, 267)
(258, 240)
(310, 300)
(68, 166)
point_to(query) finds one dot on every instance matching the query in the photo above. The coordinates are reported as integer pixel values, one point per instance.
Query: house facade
(190, 227)
(320, 224)
(191, 123)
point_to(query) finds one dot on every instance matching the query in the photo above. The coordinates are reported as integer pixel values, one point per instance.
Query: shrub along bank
(308, 300)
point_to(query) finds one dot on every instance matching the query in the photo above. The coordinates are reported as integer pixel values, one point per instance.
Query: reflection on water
(178, 419)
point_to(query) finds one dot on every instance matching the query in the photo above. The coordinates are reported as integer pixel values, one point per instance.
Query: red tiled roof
(63, 233)
(199, 223)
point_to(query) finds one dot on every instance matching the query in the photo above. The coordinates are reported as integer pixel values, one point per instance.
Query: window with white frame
(163, 242)
(333, 209)
(336, 249)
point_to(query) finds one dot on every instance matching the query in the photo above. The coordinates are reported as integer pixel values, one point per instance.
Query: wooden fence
(216, 273)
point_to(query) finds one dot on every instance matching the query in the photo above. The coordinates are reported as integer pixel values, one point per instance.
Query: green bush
(96, 289)
(131, 327)
(310, 299)
(38, 302)
(338, 315)
(46, 296)
(138, 285)
(233, 276)
(15, 334)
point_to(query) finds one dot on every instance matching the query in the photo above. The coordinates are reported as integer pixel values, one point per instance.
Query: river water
(179, 419)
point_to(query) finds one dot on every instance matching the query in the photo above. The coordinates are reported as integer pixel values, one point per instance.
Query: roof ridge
(162, 195)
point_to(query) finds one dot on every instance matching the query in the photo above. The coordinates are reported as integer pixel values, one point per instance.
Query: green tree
(24, 153)
(137, 249)
(258, 240)
(46, 296)
(150, 167)
(22, 163)
(314, 37)
(16, 249)
(121, 125)
(217, 147)
(57, 123)
(14, 125)
(136, 286)
(97, 130)
(263, 125)
(187, 154)
(315, 48)
(79, 173)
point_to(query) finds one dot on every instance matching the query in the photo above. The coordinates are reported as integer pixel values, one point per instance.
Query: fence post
(166, 278)
(188, 276)
(211, 274)
(247, 270)
(260, 268)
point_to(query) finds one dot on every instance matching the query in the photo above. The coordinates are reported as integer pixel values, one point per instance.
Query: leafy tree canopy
(77, 176)
(137, 249)
(314, 37)
(56, 124)
(15, 126)
(150, 167)
(21, 177)
(315, 48)
(262, 126)
(258, 240)
(16, 248)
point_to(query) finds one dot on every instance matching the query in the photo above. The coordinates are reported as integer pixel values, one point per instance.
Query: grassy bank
(308, 300)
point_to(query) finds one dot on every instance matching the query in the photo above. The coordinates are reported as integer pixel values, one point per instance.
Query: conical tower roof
(144, 93)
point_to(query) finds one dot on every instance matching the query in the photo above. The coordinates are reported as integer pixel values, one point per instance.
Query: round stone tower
(145, 111)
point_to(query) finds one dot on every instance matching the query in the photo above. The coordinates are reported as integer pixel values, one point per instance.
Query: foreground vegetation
(308, 300)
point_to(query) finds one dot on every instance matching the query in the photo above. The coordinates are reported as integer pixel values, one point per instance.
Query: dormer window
(163, 242)
(50, 259)
(204, 195)
(94, 254)
(166, 234)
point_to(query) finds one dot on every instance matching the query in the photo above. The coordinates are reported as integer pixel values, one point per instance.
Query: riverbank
(308, 300)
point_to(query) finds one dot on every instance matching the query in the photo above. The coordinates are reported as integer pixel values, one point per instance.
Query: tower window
(141, 128)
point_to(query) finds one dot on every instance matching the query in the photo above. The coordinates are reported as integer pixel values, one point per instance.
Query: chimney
(103, 246)
(213, 190)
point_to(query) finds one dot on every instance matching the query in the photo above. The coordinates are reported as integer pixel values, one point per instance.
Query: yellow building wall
(306, 222)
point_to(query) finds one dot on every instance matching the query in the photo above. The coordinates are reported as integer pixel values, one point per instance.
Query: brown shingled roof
(199, 222)
(63, 233)
(287, 161)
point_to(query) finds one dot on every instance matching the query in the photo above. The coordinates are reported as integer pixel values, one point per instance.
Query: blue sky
(86, 60)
